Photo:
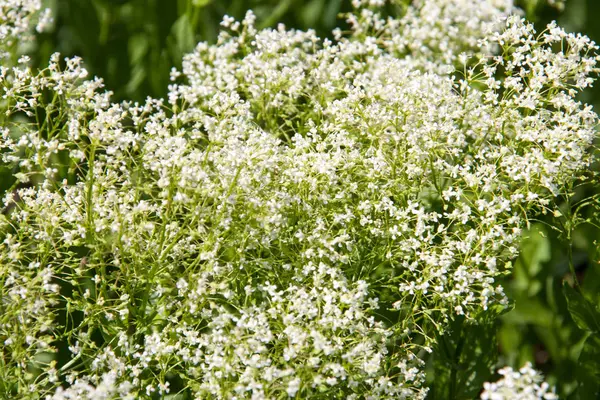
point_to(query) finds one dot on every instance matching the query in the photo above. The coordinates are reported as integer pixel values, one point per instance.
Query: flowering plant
(298, 218)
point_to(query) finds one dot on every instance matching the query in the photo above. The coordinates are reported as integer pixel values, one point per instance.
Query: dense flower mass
(17, 18)
(300, 217)
(526, 384)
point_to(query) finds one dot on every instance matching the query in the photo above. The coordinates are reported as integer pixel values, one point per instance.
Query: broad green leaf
(330, 15)
(585, 314)
(138, 48)
(312, 12)
(531, 7)
(510, 338)
(493, 312)
(275, 14)
(589, 359)
(463, 360)
(201, 3)
(588, 370)
(138, 74)
(529, 311)
(535, 250)
(591, 283)
(184, 34)
(176, 396)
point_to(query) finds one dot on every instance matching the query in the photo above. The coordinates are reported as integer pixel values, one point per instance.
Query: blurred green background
(133, 44)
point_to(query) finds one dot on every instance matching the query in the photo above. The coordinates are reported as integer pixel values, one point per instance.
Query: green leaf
(531, 8)
(201, 3)
(529, 310)
(330, 15)
(590, 287)
(589, 358)
(463, 360)
(138, 74)
(312, 12)
(184, 34)
(138, 48)
(176, 396)
(588, 370)
(493, 312)
(535, 250)
(585, 315)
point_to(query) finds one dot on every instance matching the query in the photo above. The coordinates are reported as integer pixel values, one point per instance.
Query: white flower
(525, 384)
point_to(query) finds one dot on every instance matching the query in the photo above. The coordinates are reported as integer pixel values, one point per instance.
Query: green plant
(298, 217)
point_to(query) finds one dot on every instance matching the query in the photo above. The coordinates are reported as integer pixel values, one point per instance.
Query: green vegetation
(130, 235)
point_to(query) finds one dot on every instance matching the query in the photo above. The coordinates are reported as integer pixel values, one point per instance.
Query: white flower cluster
(300, 217)
(16, 20)
(524, 384)
(434, 33)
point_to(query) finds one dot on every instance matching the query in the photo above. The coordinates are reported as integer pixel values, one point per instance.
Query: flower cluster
(434, 33)
(17, 17)
(300, 217)
(526, 384)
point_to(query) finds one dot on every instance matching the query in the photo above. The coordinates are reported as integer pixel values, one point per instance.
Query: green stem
(90, 193)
